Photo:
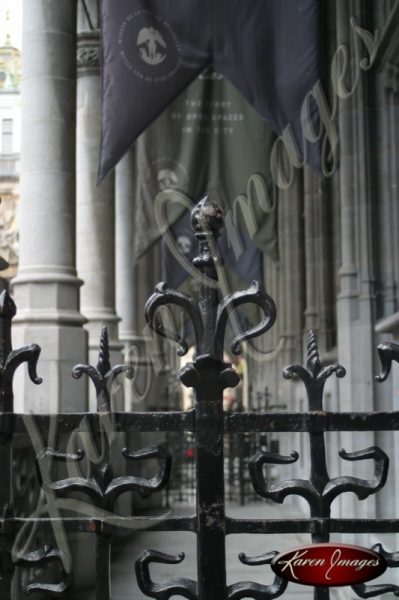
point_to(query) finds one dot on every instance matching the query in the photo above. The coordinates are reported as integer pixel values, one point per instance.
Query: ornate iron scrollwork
(102, 487)
(44, 555)
(314, 376)
(188, 588)
(166, 589)
(371, 591)
(209, 375)
(103, 374)
(387, 351)
(255, 294)
(319, 491)
(257, 591)
(164, 296)
(333, 488)
(11, 359)
(209, 317)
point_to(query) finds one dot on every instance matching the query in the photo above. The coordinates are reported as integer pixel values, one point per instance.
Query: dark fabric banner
(209, 140)
(153, 49)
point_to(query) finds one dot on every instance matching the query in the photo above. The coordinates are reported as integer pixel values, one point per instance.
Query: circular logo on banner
(167, 179)
(149, 46)
(166, 174)
(151, 43)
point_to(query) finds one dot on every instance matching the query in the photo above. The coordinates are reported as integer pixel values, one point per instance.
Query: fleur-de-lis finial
(102, 487)
(103, 364)
(209, 375)
(210, 315)
(319, 490)
(315, 375)
(103, 375)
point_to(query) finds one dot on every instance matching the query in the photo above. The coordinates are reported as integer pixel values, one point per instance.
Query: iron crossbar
(14, 423)
(117, 524)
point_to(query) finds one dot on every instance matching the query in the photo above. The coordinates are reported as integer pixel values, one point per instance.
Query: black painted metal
(92, 13)
(208, 424)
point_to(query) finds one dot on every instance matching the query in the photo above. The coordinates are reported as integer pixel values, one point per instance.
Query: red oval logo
(329, 564)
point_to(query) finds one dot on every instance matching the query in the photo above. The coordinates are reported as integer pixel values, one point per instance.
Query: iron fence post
(9, 361)
(205, 376)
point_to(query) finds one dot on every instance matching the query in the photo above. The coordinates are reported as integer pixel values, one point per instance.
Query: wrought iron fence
(41, 538)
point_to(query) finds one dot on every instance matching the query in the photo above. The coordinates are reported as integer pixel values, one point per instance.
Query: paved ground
(124, 585)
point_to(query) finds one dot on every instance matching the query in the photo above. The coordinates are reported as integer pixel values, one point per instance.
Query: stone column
(318, 252)
(291, 298)
(319, 290)
(347, 301)
(126, 273)
(135, 281)
(47, 287)
(95, 205)
(387, 327)
(356, 297)
(124, 257)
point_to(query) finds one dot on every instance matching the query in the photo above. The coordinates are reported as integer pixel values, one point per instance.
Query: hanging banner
(209, 140)
(153, 49)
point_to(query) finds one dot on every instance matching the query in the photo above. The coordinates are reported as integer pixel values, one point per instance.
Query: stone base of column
(48, 315)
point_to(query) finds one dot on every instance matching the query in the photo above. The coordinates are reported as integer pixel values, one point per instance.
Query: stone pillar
(127, 284)
(387, 327)
(291, 298)
(319, 291)
(135, 281)
(126, 273)
(318, 252)
(347, 301)
(124, 256)
(47, 287)
(364, 395)
(356, 344)
(95, 205)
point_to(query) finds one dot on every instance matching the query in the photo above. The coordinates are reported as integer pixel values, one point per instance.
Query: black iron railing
(47, 530)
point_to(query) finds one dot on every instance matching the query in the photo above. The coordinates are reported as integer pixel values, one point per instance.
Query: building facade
(338, 267)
